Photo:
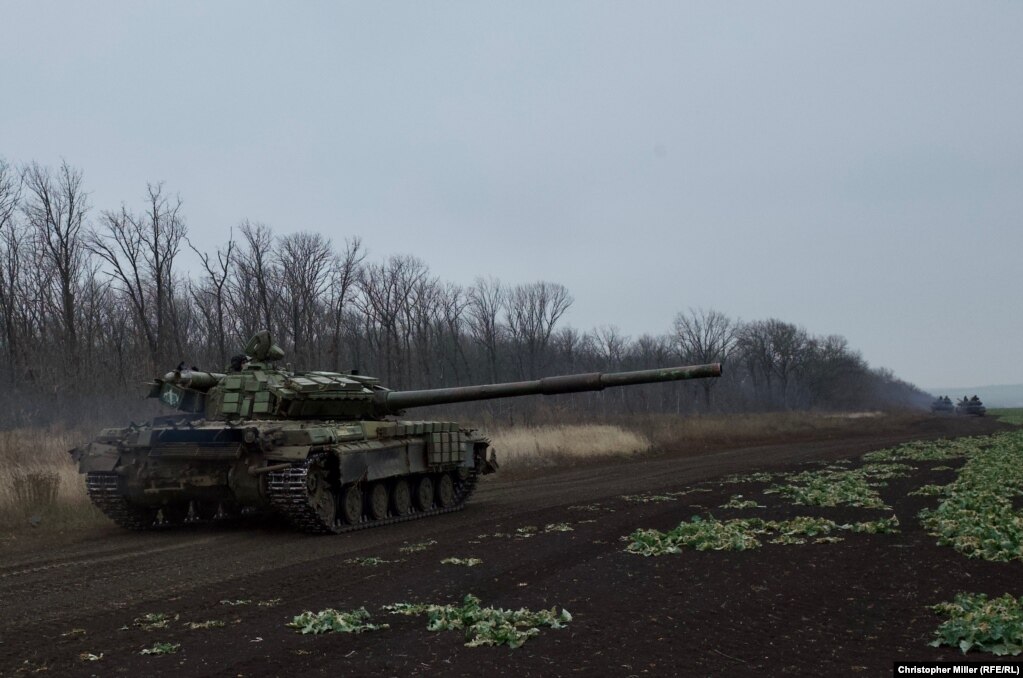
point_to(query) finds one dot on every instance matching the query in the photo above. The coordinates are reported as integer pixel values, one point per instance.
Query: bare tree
(211, 294)
(345, 275)
(10, 193)
(55, 210)
(704, 336)
(533, 310)
(140, 251)
(305, 261)
(485, 302)
(611, 344)
(450, 329)
(11, 238)
(256, 287)
(385, 290)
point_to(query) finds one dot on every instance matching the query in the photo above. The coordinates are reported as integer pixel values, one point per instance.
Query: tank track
(287, 491)
(105, 492)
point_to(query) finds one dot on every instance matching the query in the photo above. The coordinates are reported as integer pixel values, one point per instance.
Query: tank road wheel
(351, 505)
(320, 494)
(173, 515)
(401, 498)
(445, 491)
(377, 501)
(423, 496)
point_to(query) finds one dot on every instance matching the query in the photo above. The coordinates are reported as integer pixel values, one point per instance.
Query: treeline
(94, 302)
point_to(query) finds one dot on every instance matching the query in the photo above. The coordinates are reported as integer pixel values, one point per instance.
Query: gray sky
(854, 168)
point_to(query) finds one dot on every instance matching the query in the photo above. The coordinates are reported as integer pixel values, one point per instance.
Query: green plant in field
(485, 625)
(975, 622)
(526, 531)
(468, 562)
(589, 507)
(161, 648)
(758, 477)
(154, 620)
(272, 602)
(942, 468)
(977, 517)
(418, 547)
(369, 561)
(744, 533)
(737, 502)
(929, 491)
(1008, 415)
(831, 488)
(808, 526)
(882, 526)
(925, 450)
(334, 621)
(90, 657)
(558, 527)
(699, 534)
(235, 603)
(886, 470)
(788, 539)
(209, 624)
(646, 498)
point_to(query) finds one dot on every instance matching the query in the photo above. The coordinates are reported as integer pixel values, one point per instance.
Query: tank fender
(96, 457)
(375, 463)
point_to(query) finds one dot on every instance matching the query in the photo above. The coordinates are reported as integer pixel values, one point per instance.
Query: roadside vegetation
(1009, 415)
(39, 483)
(485, 625)
(335, 621)
(979, 514)
(569, 441)
(974, 622)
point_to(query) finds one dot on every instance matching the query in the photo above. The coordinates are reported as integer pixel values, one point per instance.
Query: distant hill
(1006, 395)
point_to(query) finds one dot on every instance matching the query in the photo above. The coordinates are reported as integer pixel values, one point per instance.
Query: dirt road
(848, 607)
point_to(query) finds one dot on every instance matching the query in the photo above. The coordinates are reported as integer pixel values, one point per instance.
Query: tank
(331, 452)
(972, 406)
(942, 404)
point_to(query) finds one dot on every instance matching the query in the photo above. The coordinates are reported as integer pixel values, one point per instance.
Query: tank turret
(321, 449)
(259, 390)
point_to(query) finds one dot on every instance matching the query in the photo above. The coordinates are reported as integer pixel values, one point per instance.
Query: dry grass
(39, 484)
(712, 431)
(547, 445)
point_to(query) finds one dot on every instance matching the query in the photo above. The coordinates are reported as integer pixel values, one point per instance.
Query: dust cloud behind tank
(329, 451)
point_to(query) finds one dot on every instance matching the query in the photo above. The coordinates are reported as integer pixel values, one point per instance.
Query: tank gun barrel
(389, 402)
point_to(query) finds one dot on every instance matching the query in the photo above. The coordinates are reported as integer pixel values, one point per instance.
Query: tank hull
(322, 476)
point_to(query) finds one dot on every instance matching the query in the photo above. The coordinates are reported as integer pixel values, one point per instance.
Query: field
(806, 556)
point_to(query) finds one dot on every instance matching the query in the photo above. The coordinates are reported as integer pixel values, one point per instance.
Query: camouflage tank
(318, 448)
(942, 404)
(972, 406)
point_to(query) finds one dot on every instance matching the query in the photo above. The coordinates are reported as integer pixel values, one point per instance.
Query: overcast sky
(855, 168)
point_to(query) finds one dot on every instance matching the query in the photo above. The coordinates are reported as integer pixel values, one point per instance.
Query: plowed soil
(849, 608)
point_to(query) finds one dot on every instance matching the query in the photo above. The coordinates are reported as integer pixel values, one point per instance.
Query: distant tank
(317, 448)
(971, 406)
(942, 404)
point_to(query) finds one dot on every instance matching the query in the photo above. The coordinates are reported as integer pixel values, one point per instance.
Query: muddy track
(674, 610)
